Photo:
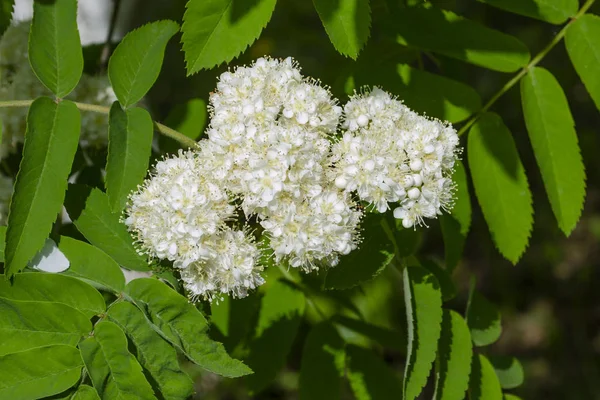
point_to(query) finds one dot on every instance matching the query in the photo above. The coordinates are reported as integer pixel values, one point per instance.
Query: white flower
(234, 269)
(176, 214)
(390, 154)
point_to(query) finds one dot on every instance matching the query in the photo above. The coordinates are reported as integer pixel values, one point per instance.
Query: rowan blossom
(390, 154)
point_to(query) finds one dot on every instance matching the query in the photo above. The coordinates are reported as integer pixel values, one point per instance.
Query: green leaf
(584, 51)
(36, 286)
(114, 371)
(235, 318)
(508, 396)
(554, 140)
(90, 211)
(449, 34)
(282, 308)
(347, 23)
(129, 147)
(28, 324)
(55, 50)
(509, 371)
(422, 91)
(483, 319)
(323, 364)
(453, 364)
(216, 31)
(136, 62)
(92, 265)
(500, 185)
(6, 9)
(50, 146)
(154, 354)
(387, 338)
(553, 11)
(39, 372)
(365, 263)
(369, 377)
(182, 325)
(85, 392)
(443, 277)
(484, 384)
(423, 301)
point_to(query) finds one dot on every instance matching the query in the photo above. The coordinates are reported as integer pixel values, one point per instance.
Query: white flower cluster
(269, 142)
(180, 214)
(272, 157)
(18, 82)
(390, 154)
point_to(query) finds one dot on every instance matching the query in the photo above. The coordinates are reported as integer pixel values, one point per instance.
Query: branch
(163, 129)
(534, 61)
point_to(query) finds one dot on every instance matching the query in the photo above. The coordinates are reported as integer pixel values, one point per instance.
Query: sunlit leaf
(553, 11)
(136, 62)
(347, 23)
(54, 47)
(216, 31)
(483, 319)
(554, 140)
(449, 34)
(182, 325)
(453, 364)
(129, 147)
(584, 51)
(423, 301)
(50, 145)
(39, 372)
(484, 384)
(500, 185)
(114, 371)
(509, 371)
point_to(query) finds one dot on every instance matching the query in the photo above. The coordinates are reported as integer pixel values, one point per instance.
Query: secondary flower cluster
(18, 82)
(272, 158)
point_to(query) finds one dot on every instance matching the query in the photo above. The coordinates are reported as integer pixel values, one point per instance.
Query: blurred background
(549, 301)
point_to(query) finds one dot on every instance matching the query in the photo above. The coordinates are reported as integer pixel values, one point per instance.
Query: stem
(534, 61)
(163, 129)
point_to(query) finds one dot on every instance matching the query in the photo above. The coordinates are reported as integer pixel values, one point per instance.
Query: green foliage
(369, 377)
(500, 185)
(28, 324)
(323, 364)
(54, 48)
(443, 278)
(281, 311)
(453, 363)
(449, 34)
(509, 371)
(347, 23)
(92, 215)
(2, 242)
(554, 140)
(553, 11)
(483, 319)
(155, 355)
(6, 9)
(39, 372)
(216, 31)
(137, 60)
(484, 384)
(423, 301)
(584, 51)
(376, 253)
(50, 145)
(180, 323)
(114, 371)
(85, 392)
(129, 146)
(422, 91)
(40, 287)
(92, 265)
